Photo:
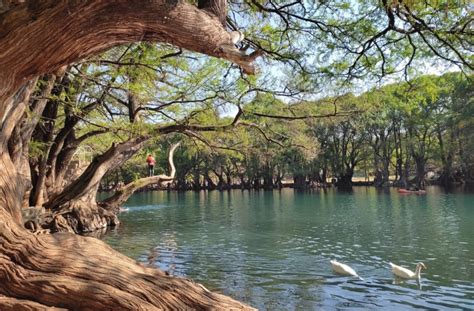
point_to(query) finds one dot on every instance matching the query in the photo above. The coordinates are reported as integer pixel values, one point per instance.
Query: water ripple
(272, 250)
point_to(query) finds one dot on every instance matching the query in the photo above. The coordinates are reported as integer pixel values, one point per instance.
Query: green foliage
(37, 149)
(396, 121)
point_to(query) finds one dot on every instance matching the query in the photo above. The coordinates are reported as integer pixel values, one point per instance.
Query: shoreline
(286, 186)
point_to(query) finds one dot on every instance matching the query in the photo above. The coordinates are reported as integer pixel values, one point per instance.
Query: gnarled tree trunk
(66, 270)
(77, 204)
(90, 276)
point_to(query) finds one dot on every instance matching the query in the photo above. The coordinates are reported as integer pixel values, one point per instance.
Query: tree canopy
(87, 85)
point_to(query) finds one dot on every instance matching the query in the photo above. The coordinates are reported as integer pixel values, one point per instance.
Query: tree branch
(122, 195)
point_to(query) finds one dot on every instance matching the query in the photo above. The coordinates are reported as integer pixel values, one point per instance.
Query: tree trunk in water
(447, 177)
(256, 183)
(398, 156)
(244, 184)
(228, 178)
(324, 176)
(386, 171)
(344, 181)
(181, 183)
(197, 180)
(405, 176)
(382, 175)
(221, 185)
(378, 179)
(279, 179)
(210, 185)
(405, 172)
(268, 182)
(299, 181)
(420, 172)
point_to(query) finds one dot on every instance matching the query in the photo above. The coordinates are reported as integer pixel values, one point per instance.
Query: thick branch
(215, 7)
(318, 116)
(122, 195)
(85, 187)
(78, 29)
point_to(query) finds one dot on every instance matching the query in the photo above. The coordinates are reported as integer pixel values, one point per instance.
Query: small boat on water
(406, 191)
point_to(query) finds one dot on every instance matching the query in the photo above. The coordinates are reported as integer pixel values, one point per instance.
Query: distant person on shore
(151, 165)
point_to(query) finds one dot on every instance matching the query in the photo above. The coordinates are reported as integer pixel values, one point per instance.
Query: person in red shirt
(151, 165)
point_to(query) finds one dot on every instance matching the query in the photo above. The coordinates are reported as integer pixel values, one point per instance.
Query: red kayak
(405, 191)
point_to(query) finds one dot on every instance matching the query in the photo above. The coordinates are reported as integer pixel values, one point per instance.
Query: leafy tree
(314, 44)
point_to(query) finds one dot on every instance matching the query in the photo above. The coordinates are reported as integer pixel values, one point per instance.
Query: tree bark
(420, 163)
(215, 7)
(13, 304)
(210, 185)
(75, 208)
(196, 178)
(47, 110)
(65, 270)
(12, 184)
(73, 34)
(90, 276)
(267, 173)
(220, 179)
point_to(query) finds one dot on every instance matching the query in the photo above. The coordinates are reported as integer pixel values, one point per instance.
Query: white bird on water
(404, 273)
(343, 269)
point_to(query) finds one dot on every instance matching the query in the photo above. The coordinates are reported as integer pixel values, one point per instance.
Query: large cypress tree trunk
(299, 181)
(420, 163)
(267, 173)
(196, 175)
(81, 273)
(76, 208)
(66, 270)
(344, 181)
(220, 179)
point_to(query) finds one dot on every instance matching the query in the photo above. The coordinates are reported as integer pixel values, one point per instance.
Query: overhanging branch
(122, 195)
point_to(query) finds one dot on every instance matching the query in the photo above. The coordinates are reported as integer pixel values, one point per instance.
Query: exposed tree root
(13, 304)
(66, 270)
(93, 276)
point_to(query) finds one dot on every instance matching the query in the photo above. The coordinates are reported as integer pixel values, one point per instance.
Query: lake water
(272, 249)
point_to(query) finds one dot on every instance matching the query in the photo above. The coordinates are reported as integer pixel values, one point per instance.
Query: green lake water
(272, 249)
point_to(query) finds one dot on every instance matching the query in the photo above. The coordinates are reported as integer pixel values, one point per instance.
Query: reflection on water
(272, 249)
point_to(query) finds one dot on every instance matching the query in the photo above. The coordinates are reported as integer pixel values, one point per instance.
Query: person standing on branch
(151, 165)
